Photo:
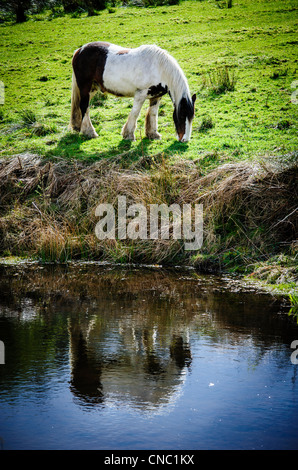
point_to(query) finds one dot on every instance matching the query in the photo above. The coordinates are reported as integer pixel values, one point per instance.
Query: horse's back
(129, 70)
(118, 70)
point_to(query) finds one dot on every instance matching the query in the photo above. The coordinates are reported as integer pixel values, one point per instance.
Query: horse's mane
(172, 73)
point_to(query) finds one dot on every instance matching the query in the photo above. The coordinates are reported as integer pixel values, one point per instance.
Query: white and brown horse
(146, 72)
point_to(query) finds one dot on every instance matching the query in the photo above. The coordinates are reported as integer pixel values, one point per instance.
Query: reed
(220, 80)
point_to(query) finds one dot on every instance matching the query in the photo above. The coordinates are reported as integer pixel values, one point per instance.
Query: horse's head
(183, 116)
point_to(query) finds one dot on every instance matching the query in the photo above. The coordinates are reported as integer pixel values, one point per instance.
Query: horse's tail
(76, 115)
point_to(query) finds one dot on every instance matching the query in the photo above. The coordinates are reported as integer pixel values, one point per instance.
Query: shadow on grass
(176, 147)
(69, 147)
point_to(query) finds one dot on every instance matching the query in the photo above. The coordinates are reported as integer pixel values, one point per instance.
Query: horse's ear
(194, 97)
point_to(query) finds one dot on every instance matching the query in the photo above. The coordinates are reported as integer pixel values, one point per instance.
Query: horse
(145, 72)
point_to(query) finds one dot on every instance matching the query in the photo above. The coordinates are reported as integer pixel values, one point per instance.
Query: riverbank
(249, 212)
(241, 63)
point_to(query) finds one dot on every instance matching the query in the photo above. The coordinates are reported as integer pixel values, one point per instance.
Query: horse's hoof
(153, 136)
(91, 135)
(72, 128)
(128, 137)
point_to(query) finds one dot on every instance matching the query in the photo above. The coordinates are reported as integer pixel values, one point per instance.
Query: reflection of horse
(141, 364)
(86, 372)
(146, 72)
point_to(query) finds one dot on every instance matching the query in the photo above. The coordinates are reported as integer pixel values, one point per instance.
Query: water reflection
(131, 350)
(86, 372)
(125, 333)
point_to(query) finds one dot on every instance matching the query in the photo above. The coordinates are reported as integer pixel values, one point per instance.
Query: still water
(108, 357)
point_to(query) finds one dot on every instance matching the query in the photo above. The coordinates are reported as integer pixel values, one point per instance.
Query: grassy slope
(257, 38)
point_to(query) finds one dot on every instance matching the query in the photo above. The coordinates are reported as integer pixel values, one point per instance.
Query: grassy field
(242, 63)
(256, 41)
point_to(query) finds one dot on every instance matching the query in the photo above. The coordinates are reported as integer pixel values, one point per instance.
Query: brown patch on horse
(148, 124)
(88, 64)
(123, 51)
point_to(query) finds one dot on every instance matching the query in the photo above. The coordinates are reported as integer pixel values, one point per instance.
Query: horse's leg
(151, 119)
(76, 115)
(87, 127)
(131, 123)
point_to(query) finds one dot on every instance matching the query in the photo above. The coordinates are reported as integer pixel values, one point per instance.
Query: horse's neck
(169, 71)
(175, 80)
(178, 92)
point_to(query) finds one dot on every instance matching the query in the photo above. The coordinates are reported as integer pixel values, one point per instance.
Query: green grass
(254, 40)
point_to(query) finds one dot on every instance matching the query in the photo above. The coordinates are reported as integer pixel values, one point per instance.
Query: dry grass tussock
(48, 209)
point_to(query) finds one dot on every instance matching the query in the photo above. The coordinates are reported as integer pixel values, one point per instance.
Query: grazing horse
(146, 72)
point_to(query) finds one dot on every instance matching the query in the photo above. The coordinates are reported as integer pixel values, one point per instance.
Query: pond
(108, 357)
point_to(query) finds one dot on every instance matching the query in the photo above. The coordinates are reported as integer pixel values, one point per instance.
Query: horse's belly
(123, 75)
(119, 86)
(117, 80)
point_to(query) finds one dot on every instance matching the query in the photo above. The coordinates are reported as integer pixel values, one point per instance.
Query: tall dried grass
(48, 209)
